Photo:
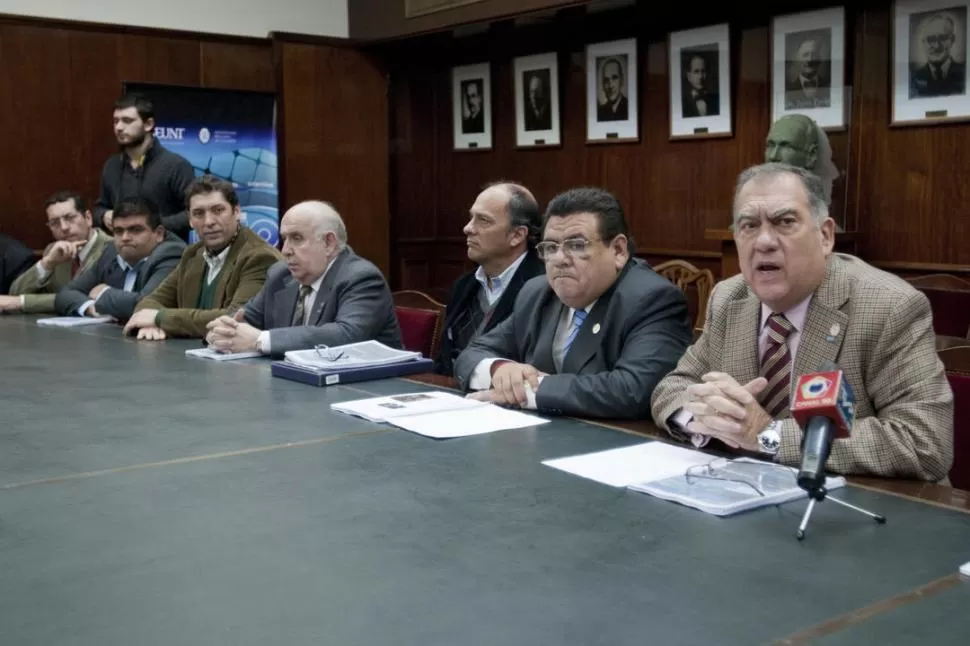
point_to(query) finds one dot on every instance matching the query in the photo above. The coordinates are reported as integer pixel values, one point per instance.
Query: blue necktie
(578, 317)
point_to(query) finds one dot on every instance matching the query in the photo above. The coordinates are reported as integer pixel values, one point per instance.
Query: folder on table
(335, 376)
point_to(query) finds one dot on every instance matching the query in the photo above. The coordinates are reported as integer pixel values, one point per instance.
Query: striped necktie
(578, 317)
(299, 312)
(776, 366)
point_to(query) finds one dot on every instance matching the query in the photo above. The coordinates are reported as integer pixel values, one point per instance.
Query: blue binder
(285, 370)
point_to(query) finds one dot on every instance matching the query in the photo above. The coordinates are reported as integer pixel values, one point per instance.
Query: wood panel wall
(58, 83)
(904, 189)
(387, 19)
(334, 138)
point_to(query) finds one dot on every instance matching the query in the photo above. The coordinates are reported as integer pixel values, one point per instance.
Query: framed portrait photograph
(471, 91)
(700, 82)
(808, 67)
(930, 62)
(611, 92)
(536, 100)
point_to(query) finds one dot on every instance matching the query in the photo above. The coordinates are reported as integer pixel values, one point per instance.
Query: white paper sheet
(385, 409)
(73, 321)
(209, 353)
(462, 423)
(631, 464)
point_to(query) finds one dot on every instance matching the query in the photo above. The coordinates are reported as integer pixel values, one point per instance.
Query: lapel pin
(596, 329)
(834, 330)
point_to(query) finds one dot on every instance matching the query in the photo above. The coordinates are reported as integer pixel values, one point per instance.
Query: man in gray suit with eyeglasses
(321, 294)
(594, 335)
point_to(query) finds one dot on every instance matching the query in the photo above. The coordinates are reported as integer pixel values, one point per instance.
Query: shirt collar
(124, 265)
(795, 315)
(217, 260)
(502, 280)
(587, 309)
(315, 285)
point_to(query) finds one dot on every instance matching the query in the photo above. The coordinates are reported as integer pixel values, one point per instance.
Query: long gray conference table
(148, 498)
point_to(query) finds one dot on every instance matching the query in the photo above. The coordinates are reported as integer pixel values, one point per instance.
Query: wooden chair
(949, 298)
(690, 279)
(956, 360)
(421, 319)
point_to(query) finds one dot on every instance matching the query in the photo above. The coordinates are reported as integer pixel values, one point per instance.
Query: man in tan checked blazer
(795, 306)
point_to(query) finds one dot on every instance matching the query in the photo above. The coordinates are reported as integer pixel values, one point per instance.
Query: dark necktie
(299, 312)
(75, 266)
(776, 366)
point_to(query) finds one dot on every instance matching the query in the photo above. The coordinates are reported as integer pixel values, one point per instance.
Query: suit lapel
(191, 283)
(549, 315)
(100, 240)
(825, 323)
(326, 287)
(744, 320)
(287, 301)
(588, 339)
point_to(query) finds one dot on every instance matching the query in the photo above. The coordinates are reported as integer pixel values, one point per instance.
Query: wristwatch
(769, 440)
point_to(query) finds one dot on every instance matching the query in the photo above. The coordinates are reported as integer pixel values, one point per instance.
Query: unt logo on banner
(169, 133)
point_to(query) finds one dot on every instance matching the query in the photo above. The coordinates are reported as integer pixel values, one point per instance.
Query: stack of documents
(73, 321)
(660, 470)
(438, 414)
(215, 355)
(366, 354)
(329, 366)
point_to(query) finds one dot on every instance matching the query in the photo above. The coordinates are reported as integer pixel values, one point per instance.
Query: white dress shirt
(215, 263)
(263, 342)
(481, 378)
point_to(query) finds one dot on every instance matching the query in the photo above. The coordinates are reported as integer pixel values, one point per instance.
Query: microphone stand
(818, 494)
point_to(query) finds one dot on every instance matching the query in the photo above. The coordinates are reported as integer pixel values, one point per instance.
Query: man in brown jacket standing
(219, 274)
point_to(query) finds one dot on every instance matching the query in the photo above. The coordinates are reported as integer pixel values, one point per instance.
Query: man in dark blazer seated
(139, 258)
(595, 334)
(15, 259)
(323, 294)
(501, 233)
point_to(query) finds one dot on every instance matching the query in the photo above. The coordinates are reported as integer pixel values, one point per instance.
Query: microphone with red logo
(824, 407)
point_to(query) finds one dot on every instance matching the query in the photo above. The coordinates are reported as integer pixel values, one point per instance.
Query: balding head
(313, 234)
(504, 222)
(323, 218)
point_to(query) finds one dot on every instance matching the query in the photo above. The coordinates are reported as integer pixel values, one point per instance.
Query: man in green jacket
(77, 245)
(215, 276)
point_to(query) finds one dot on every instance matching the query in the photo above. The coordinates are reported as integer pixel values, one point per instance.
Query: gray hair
(814, 187)
(325, 219)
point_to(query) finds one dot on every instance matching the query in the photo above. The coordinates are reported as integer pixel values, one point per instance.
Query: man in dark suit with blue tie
(595, 334)
(138, 259)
